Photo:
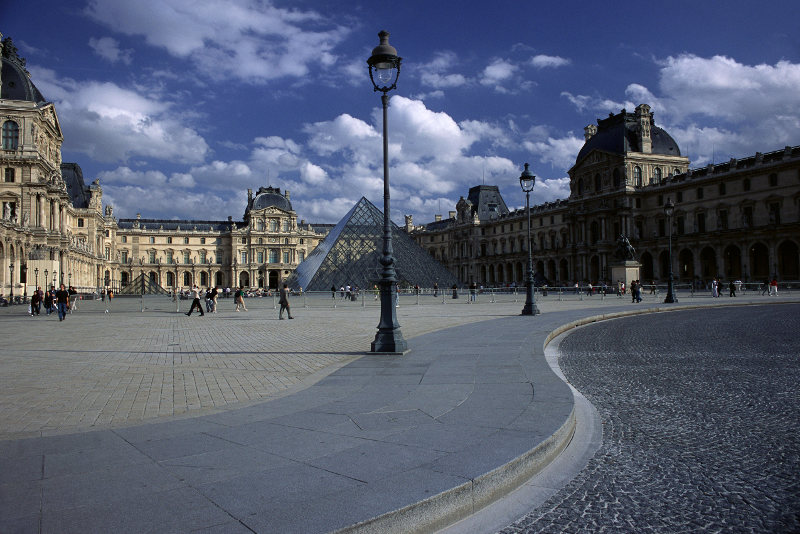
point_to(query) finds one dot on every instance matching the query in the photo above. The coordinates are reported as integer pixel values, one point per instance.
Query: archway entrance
(686, 265)
(647, 266)
(273, 280)
(788, 261)
(244, 279)
(708, 263)
(563, 271)
(219, 279)
(759, 261)
(733, 262)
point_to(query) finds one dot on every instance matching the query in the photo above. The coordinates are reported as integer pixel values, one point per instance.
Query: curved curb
(446, 508)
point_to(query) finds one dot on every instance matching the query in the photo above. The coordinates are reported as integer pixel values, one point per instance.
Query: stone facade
(735, 220)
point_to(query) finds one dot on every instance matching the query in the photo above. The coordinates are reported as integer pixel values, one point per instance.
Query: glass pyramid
(142, 285)
(351, 252)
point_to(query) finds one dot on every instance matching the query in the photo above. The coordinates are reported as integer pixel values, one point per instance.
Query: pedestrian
(209, 302)
(435, 289)
(732, 289)
(333, 292)
(473, 292)
(110, 295)
(196, 302)
(36, 301)
(73, 299)
(214, 297)
(62, 302)
(48, 301)
(766, 287)
(773, 288)
(284, 302)
(238, 299)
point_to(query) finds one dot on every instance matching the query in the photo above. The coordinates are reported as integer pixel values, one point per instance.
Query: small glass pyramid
(351, 252)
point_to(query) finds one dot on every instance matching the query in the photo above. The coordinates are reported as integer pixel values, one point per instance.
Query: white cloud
(113, 124)
(542, 61)
(497, 72)
(108, 49)
(560, 152)
(253, 41)
(437, 73)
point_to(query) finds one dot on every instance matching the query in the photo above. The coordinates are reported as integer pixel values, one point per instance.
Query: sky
(180, 106)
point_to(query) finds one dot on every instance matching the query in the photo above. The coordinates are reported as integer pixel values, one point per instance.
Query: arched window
(596, 183)
(580, 186)
(616, 178)
(657, 175)
(637, 176)
(10, 135)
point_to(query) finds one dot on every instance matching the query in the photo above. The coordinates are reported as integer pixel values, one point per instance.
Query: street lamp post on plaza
(24, 274)
(11, 283)
(46, 279)
(36, 272)
(384, 70)
(526, 181)
(669, 209)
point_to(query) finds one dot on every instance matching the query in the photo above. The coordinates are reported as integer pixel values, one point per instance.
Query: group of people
(212, 295)
(62, 301)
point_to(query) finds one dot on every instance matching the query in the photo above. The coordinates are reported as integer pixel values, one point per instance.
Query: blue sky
(179, 106)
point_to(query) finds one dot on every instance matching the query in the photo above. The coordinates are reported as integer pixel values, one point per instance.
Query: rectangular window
(721, 189)
(301, 255)
(244, 257)
(723, 220)
(202, 240)
(185, 240)
(701, 223)
(260, 256)
(203, 256)
(662, 228)
(152, 239)
(169, 240)
(187, 257)
(747, 216)
(9, 175)
(638, 203)
(124, 256)
(80, 222)
(273, 255)
(286, 225)
(169, 256)
(108, 253)
(679, 196)
(124, 239)
(152, 256)
(285, 256)
(774, 213)
(681, 225)
(699, 193)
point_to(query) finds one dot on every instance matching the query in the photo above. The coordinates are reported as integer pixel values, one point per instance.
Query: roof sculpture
(350, 255)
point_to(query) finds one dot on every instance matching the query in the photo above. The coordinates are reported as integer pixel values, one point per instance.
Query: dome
(15, 82)
(267, 197)
(618, 134)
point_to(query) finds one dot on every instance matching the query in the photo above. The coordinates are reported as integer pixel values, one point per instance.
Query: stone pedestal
(626, 271)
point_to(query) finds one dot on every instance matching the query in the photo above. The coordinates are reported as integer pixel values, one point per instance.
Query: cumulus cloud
(497, 72)
(542, 61)
(255, 42)
(559, 152)
(112, 124)
(108, 49)
(437, 73)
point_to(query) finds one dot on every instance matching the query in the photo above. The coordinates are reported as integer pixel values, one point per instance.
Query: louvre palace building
(55, 229)
(737, 220)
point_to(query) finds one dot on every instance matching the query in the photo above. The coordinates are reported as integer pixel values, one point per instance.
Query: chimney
(437, 217)
(287, 195)
(644, 119)
(589, 131)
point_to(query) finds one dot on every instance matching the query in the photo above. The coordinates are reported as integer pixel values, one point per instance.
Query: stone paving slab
(318, 456)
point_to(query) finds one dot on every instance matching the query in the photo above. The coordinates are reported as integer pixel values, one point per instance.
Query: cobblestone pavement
(700, 425)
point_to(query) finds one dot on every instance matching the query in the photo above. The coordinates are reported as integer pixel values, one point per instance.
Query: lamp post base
(389, 342)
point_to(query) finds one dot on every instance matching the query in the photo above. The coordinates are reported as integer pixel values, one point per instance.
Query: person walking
(110, 295)
(732, 288)
(284, 302)
(48, 301)
(62, 302)
(238, 299)
(196, 302)
(214, 297)
(773, 288)
(36, 301)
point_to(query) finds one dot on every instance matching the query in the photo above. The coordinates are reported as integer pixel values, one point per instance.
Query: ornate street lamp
(384, 70)
(24, 274)
(526, 181)
(669, 209)
(46, 278)
(11, 283)
(36, 272)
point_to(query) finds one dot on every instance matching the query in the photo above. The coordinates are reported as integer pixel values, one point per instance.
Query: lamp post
(46, 278)
(24, 274)
(526, 181)
(11, 283)
(36, 273)
(669, 209)
(384, 70)
(55, 274)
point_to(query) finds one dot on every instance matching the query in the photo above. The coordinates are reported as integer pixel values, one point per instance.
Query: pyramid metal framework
(142, 285)
(351, 252)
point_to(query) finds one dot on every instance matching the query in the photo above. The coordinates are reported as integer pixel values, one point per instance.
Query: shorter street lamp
(24, 274)
(526, 181)
(36, 272)
(70, 280)
(669, 209)
(54, 279)
(11, 283)
(46, 278)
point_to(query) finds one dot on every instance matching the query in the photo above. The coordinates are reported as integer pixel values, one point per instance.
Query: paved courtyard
(700, 425)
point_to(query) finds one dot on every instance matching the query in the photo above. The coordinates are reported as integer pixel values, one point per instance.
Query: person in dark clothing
(284, 302)
(62, 302)
(36, 301)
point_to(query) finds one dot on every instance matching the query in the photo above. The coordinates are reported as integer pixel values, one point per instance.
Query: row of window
(204, 258)
(274, 225)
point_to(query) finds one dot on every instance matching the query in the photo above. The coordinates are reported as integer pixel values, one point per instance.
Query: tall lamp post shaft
(527, 181)
(668, 211)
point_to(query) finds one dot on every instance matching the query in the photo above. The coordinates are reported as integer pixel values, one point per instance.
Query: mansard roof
(183, 225)
(15, 80)
(79, 194)
(618, 134)
(487, 202)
